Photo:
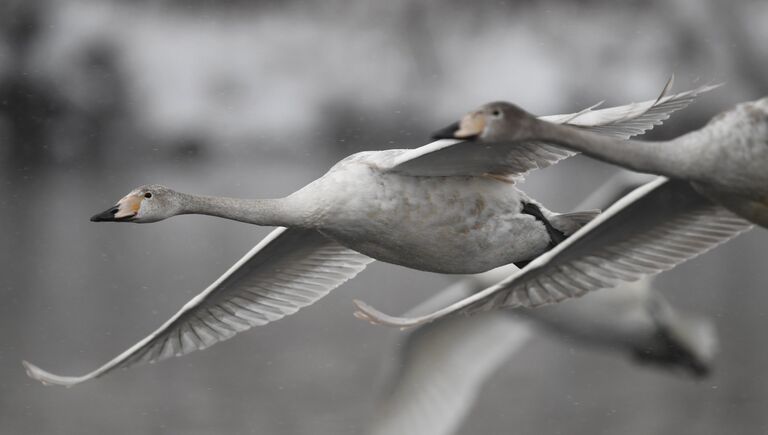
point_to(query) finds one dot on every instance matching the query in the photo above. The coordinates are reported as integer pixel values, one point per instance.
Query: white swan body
(454, 224)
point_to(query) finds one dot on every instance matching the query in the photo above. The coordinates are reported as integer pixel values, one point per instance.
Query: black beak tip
(105, 216)
(447, 132)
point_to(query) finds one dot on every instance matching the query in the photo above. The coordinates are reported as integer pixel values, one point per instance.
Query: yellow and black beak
(447, 132)
(470, 127)
(106, 216)
(124, 211)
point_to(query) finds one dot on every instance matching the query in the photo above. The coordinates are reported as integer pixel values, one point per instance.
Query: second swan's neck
(264, 212)
(675, 158)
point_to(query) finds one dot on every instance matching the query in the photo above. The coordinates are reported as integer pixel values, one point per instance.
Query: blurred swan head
(489, 122)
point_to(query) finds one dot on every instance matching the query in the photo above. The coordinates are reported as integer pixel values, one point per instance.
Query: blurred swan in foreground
(443, 365)
(720, 185)
(399, 206)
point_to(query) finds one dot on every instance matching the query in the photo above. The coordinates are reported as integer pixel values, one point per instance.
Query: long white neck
(675, 158)
(265, 212)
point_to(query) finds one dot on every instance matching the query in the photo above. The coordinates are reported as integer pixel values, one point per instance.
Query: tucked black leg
(555, 236)
(522, 264)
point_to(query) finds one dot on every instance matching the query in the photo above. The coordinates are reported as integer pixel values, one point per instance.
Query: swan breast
(439, 224)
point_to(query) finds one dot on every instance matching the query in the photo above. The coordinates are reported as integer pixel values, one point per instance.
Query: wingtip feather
(665, 90)
(47, 378)
(365, 311)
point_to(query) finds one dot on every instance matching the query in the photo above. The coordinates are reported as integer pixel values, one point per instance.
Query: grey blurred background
(256, 99)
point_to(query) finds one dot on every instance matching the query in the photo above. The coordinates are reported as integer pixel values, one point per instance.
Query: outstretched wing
(288, 270)
(653, 229)
(623, 122)
(452, 157)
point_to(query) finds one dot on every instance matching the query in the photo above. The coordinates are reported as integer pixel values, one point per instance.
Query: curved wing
(443, 366)
(653, 229)
(288, 270)
(513, 160)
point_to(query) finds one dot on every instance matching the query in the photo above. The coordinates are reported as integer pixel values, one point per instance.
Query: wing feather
(288, 270)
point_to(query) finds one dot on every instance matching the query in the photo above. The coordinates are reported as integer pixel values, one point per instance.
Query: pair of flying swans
(450, 206)
(713, 186)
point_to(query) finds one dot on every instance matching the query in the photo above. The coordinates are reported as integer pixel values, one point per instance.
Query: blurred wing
(286, 271)
(442, 368)
(653, 229)
(514, 160)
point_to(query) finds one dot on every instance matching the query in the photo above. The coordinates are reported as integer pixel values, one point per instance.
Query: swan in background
(443, 365)
(718, 187)
(376, 204)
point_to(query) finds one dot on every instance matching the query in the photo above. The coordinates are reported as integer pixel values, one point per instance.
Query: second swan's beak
(106, 216)
(125, 209)
(470, 127)
(447, 132)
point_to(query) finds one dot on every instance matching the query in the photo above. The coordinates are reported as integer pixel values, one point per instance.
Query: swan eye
(148, 195)
(496, 113)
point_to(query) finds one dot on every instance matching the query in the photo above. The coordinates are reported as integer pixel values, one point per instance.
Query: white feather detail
(288, 270)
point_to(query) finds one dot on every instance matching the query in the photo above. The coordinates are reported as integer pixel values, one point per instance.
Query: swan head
(145, 204)
(493, 121)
